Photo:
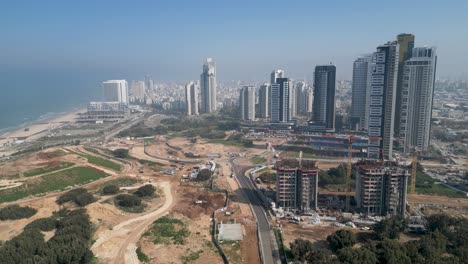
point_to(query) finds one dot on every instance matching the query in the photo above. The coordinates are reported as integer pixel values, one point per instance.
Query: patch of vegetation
(98, 161)
(43, 224)
(92, 150)
(445, 243)
(52, 182)
(79, 196)
(332, 176)
(192, 256)
(151, 163)
(167, 230)
(268, 178)
(425, 184)
(203, 175)
(14, 212)
(10, 176)
(239, 140)
(70, 243)
(141, 256)
(257, 160)
(232, 250)
(145, 191)
(285, 254)
(127, 200)
(44, 170)
(121, 153)
(121, 182)
(110, 189)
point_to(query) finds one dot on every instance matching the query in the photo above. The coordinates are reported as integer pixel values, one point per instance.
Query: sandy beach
(38, 129)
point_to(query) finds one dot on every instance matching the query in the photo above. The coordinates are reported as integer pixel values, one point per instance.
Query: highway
(265, 239)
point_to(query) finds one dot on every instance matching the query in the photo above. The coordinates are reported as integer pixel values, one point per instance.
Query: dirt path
(139, 153)
(119, 244)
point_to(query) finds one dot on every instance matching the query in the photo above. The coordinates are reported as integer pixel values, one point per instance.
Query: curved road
(119, 244)
(266, 246)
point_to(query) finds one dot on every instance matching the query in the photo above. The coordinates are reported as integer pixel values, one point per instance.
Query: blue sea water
(29, 95)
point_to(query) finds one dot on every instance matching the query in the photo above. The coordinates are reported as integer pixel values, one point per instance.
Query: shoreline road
(119, 244)
(264, 231)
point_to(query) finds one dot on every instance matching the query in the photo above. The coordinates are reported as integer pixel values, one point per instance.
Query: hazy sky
(170, 39)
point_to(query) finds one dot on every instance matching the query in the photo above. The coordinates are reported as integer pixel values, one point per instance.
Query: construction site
(211, 194)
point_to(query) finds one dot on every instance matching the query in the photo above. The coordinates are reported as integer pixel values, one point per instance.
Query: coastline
(39, 127)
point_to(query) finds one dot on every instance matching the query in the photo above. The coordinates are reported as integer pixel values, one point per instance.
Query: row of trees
(70, 243)
(445, 243)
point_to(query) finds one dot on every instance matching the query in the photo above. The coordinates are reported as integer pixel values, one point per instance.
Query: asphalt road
(249, 191)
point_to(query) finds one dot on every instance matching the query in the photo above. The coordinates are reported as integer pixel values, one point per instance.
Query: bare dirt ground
(44, 207)
(199, 240)
(118, 245)
(431, 204)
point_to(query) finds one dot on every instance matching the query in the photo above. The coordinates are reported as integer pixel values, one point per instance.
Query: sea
(29, 96)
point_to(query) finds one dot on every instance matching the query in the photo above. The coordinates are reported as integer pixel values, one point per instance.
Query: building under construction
(381, 188)
(297, 184)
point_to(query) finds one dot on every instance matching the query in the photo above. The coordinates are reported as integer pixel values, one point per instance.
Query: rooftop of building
(295, 163)
(386, 166)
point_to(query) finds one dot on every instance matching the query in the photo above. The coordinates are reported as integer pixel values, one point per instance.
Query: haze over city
(168, 40)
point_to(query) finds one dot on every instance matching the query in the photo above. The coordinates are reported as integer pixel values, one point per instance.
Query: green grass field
(425, 184)
(167, 230)
(257, 160)
(53, 182)
(150, 162)
(43, 170)
(98, 161)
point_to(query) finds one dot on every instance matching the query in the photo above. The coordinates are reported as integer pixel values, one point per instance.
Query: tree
(341, 239)
(203, 175)
(322, 256)
(391, 252)
(127, 200)
(300, 248)
(84, 199)
(356, 256)
(80, 196)
(390, 227)
(120, 153)
(110, 189)
(145, 191)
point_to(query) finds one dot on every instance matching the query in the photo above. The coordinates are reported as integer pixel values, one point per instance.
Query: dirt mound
(48, 155)
(53, 163)
(209, 202)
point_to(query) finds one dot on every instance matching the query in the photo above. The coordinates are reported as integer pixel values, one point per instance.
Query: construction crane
(348, 172)
(414, 171)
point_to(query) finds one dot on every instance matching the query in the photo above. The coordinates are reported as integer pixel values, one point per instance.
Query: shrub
(110, 189)
(127, 200)
(79, 196)
(203, 175)
(84, 199)
(145, 191)
(14, 212)
(120, 153)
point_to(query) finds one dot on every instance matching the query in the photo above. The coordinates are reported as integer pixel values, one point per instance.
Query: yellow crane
(348, 172)
(414, 171)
